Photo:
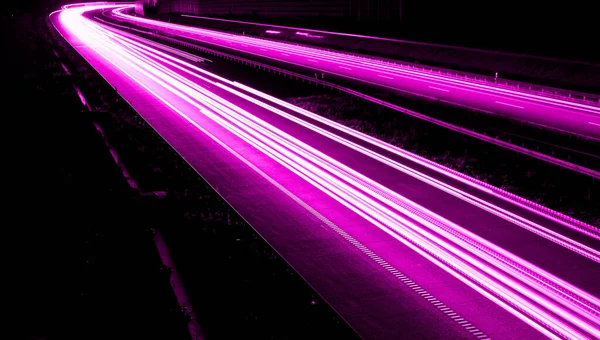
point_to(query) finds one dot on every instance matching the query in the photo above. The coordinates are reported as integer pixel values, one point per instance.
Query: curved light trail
(547, 302)
(562, 114)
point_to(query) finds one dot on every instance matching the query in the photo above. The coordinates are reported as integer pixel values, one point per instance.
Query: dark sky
(32, 4)
(565, 27)
(552, 15)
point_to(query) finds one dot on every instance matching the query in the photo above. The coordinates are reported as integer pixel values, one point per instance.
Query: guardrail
(573, 96)
(583, 98)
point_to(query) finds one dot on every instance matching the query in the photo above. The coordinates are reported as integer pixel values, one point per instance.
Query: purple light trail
(555, 307)
(564, 115)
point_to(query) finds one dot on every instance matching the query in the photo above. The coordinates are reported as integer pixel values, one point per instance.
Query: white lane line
(594, 123)
(285, 54)
(382, 76)
(407, 281)
(439, 89)
(345, 68)
(314, 61)
(517, 106)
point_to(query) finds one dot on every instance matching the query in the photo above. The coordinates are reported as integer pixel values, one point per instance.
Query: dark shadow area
(81, 256)
(82, 263)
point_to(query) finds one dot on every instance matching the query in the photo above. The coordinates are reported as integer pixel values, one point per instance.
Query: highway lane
(565, 115)
(350, 170)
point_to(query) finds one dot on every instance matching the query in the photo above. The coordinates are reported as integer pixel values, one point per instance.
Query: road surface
(398, 245)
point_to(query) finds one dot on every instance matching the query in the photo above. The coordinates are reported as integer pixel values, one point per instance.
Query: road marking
(517, 106)
(285, 54)
(346, 68)
(385, 76)
(437, 88)
(407, 281)
(314, 61)
(594, 123)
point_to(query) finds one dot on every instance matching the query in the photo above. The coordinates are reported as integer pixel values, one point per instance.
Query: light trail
(548, 303)
(542, 115)
(512, 105)
(439, 89)
(528, 205)
(572, 223)
(364, 65)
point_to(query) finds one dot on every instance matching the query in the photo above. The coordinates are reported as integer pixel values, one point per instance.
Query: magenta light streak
(364, 64)
(529, 204)
(582, 227)
(550, 305)
(272, 32)
(192, 85)
(313, 115)
(260, 145)
(588, 230)
(445, 171)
